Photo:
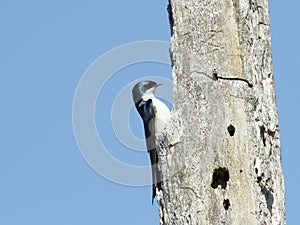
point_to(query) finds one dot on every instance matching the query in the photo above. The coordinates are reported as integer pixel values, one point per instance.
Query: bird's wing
(147, 112)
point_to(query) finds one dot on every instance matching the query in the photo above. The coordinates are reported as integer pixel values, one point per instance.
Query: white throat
(149, 94)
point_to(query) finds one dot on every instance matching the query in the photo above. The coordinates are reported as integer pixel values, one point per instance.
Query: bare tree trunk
(221, 158)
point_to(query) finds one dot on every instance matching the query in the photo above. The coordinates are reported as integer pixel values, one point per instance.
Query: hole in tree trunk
(226, 204)
(220, 177)
(262, 130)
(231, 130)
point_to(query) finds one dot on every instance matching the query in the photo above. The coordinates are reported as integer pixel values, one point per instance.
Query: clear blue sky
(45, 48)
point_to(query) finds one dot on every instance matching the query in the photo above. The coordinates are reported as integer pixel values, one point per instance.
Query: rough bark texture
(221, 157)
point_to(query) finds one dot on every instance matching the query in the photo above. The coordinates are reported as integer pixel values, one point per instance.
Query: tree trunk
(221, 156)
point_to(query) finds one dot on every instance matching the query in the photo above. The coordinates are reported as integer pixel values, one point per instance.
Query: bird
(155, 115)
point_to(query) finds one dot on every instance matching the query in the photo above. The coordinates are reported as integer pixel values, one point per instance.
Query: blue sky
(45, 48)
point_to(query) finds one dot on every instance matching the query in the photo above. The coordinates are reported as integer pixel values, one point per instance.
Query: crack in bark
(171, 18)
(267, 191)
(191, 189)
(216, 77)
(214, 32)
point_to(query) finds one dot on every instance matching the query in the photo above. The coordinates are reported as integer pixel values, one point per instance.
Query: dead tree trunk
(221, 160)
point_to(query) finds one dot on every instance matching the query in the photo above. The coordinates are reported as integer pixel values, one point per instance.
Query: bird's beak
(158, 85)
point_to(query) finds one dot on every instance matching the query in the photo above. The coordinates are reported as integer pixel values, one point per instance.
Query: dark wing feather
(147, 112)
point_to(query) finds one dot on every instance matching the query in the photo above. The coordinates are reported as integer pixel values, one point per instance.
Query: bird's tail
(156, 180)
(156, 174)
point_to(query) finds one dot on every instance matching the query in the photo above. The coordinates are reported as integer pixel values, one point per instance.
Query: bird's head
(144, 89)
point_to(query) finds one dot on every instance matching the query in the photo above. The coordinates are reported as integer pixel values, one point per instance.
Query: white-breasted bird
(155, 114)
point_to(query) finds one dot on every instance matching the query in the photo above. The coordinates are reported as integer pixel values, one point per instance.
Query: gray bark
(221, 157)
